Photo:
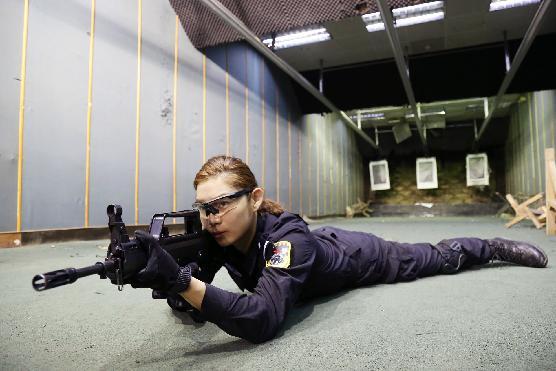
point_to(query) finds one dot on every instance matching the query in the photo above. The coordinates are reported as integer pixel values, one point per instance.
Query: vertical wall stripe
(510, 156)
(340, 172)
(551, 118)
(331, 174)
(337, 155)
(174, 117)
(334, 168)
(246, 110)
(308, 128)
(551, 122)
(520, 145)
(344, 181)
(506, 154)
(299, 164)
(511, 152)
(509, 161)
(518, 157)
(528, 142)
(227, 102)
(89, 111)
(204, 108)
(317, 135)
(289, 163)
(329, 167)
(324, 166)
(515, 158)
(543, 124)
(536, 125)
(531, 143)
(277, 144)
(138, 106)
(22, 113)
(263, 115)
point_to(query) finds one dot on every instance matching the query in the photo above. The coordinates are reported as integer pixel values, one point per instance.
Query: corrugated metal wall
(332, 175)
(532, 129)
(149, 88)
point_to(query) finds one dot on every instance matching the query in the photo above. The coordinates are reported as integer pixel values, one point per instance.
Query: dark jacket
(321, 262)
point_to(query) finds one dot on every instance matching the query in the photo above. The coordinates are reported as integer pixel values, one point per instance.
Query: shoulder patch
(280, 255)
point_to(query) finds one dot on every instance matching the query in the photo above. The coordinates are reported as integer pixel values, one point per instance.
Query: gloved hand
(161, 272)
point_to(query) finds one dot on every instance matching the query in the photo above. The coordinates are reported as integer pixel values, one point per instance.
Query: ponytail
(271, 207)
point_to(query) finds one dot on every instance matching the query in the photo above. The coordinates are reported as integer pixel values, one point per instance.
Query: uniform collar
(265, 222)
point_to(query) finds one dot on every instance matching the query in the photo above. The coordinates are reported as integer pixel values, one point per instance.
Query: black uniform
(287, 263)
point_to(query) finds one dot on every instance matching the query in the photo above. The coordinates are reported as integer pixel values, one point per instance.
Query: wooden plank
(10, 239)
(533, 218)
(515, 220)
(523, 211)
(532, 199)
(68, 234)
(550, 166)
(513, 202)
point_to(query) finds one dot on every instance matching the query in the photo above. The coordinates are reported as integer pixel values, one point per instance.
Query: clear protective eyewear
(220, 205)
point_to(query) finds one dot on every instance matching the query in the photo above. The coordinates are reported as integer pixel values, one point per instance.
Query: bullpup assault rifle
(125, 258)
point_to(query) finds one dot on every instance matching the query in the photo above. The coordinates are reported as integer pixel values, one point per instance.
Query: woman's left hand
(161, 272)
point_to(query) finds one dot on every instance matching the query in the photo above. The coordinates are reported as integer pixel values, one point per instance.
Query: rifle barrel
(66, 276)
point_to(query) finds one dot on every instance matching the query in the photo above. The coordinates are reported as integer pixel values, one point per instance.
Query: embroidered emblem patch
(280, 255)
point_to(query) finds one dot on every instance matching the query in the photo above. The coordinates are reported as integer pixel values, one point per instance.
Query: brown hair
(238, 175)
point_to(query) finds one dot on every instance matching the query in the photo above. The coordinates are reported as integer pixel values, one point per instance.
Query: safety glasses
(220, 205)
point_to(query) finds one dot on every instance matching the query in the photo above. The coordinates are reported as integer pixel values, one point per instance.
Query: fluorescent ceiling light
(375, 27)
(507, 4)
(425, 114)
(407, 16)
(423, 18)
(419, 9)
(370, 115)
(298, 37)
(373, 22)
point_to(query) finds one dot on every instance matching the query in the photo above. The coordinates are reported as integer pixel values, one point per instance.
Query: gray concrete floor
(497, 317)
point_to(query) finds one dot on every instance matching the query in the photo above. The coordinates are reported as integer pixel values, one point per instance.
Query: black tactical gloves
(162, 272)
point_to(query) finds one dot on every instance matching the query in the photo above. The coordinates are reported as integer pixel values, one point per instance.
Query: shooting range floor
(499, 316)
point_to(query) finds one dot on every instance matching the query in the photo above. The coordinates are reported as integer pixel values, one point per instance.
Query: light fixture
(407, 15)
(370, 116)
(298, 37)
(373, 22)
(423, 18)
(425, 114)
(507, 4)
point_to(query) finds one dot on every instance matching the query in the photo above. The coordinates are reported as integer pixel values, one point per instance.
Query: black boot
(518, 252)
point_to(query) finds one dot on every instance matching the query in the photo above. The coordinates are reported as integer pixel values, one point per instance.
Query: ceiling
(452, 62)
(466, 24)
(264, 17)
(461, 56)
